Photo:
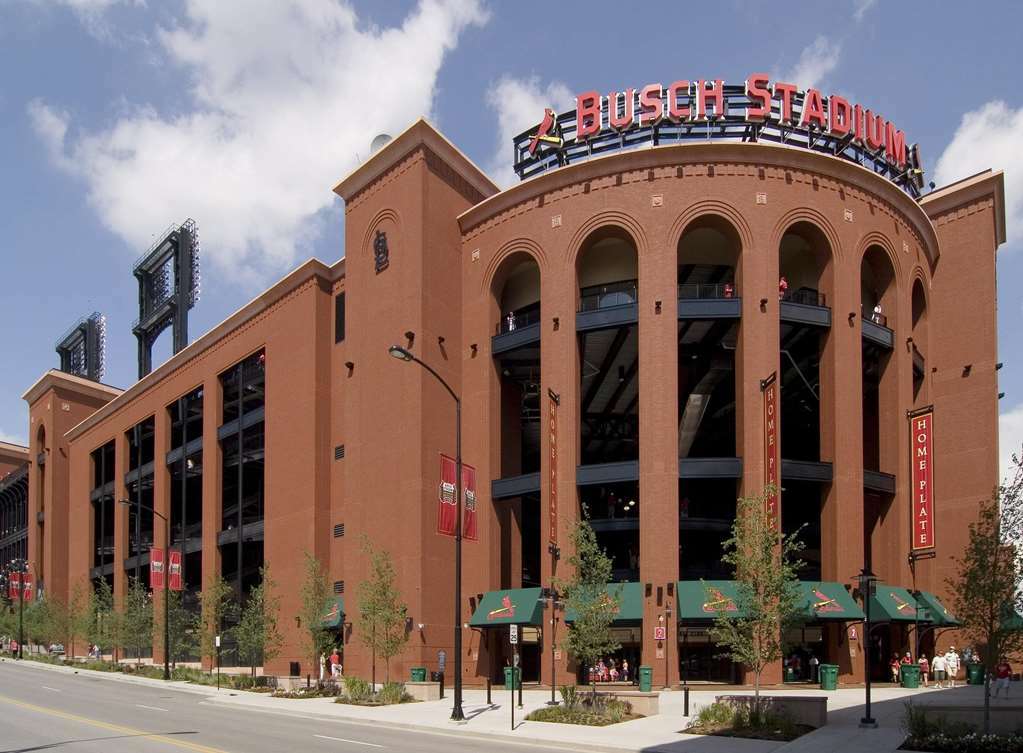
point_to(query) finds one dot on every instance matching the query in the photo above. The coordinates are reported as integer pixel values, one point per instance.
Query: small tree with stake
(103, 627)
(986, 585)
(767, 589)
(381, 612)
(137, 618)
(218, 607)
(256, 633)
(313, 597)
(589, 636)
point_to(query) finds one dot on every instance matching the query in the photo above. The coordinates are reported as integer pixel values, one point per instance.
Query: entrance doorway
(702, 660)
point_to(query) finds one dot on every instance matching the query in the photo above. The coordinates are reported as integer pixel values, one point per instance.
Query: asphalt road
(43, 711)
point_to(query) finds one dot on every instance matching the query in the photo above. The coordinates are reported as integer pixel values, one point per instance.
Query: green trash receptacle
(829, 676)
(512, 675)
(910, 675)
(790, 674)
(418, 674)
(974, 674)
(646, 679)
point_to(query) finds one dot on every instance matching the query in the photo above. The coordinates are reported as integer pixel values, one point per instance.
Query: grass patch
(584, 708)
(728, 720)
(357, 692)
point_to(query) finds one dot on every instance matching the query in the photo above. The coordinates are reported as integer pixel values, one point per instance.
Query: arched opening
(919, 346)
(609, 390)
(877, 287)
(708, 257)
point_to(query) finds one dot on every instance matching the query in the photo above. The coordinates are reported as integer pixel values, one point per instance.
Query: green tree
(767, 588)
(79, 615)
(185, 628)
(314, 596)
(218, 608)
(987, 584)
(136, 623)
(256, 633)
(381, 612)
(103, 620)
(589, 637)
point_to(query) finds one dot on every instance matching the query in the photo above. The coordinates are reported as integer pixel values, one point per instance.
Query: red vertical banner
(155, 568)
(27, 591)
(174, 570)
(447, 510)
(553, 400)
(769, 387)
(469, 530)
(921, 429)
(14, 586)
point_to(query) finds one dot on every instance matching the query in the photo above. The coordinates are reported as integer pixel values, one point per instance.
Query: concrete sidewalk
(660, 734)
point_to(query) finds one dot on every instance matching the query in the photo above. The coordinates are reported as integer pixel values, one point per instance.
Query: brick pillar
(161, 504)
(212, 411)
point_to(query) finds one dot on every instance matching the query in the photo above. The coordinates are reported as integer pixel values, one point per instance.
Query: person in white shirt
(939, 667)
(952, 663)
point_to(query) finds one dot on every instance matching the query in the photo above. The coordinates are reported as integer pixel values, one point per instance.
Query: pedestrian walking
(925, 668)
(894, 665)
(1003, 673)
(952, 665)
(938, 667)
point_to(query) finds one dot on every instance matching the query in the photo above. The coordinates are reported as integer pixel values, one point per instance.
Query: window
(339, 317)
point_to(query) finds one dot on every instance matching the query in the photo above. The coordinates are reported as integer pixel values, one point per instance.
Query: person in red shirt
(1003, 673)
(925, 668)
(783, 286)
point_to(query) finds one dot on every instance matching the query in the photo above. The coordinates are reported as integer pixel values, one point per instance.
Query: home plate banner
(921, 429)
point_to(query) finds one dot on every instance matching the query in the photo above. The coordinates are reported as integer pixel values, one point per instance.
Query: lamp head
(402, 354)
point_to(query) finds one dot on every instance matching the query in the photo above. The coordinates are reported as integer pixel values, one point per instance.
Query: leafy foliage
(313, 597)
(767, 588)
(257, 635)
(218, 608)
(103, 620)
(136, 623)
(381, 611)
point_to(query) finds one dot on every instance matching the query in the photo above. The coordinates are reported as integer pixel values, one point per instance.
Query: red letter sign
(14, 586)
(587, 115)
(155, 568)
(921, 429)
(770, 390)
(552, 434)
(447, 512)
(174, 570)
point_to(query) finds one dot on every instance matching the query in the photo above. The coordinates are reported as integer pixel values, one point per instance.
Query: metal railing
(608, 296)
(806, 297)
(518, 319)
(690, 290)
(874, 316)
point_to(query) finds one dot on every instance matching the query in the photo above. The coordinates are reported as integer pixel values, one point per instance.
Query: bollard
(308, 681)
(685, 701)
(441, 684)
(519, 679)
(489, 702)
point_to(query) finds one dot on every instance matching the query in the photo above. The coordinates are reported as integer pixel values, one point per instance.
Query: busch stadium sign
(708, 110)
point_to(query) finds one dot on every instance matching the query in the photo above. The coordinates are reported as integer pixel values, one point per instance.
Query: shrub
(570, 696)
(357, 689)
(919, 725)
(393, 692)
(718, 712)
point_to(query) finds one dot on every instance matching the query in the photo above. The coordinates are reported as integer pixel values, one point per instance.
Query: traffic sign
(513, 635)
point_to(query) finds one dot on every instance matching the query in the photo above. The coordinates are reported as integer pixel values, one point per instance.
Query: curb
(185, 687)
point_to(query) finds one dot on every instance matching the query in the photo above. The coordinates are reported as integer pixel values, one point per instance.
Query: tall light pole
(867, 580)
(166, 580)
(403, 354)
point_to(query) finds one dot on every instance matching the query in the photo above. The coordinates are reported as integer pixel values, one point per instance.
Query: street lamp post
(867, 580)
(166, 580)
(403, 354)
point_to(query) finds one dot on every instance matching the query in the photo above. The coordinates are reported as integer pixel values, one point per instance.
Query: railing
(805, 296)
(692, 290)
(518, 319)
(874, 316)
(607, 296)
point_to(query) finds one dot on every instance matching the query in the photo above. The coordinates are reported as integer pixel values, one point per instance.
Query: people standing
(952, 665)
(893, 666)
(783, 287)
(625, 670)
(815, 664)
(876, 317)
(335, 665)
(1003, 673)
(510, 319)
(925, 668)
(938, 667)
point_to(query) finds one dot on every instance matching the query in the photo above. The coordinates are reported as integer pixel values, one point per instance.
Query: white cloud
(816, 61)
(861, 8)
(989, 137)
(1010, 441)
(12, 438)
(285, 98)
(519, 104)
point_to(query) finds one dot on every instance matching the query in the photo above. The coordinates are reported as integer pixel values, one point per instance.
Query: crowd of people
(611, 670)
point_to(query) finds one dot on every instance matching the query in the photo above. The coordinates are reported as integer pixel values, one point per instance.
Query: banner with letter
(14, 586)
(27, 592)
(921, 429)
(469, 529)
(447, 511)
(174, 570)
(155, 569)
(769, 387)
(553, 400)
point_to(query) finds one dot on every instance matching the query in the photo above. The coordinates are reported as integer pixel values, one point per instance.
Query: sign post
(513, 639)
(217, 642)
(769, 387)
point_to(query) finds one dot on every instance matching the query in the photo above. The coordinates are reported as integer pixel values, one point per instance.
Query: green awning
(514, 606)
(630, 602)
(828, 601)
(893, 604)
(932, 610)
(706, 599)
(333, 612)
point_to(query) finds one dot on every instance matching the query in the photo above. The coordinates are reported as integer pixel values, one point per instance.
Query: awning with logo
(630, 603)
(894, 604)
(932, 610)
(333, 613)
(828, 601)
(706, 599)
(513, 606)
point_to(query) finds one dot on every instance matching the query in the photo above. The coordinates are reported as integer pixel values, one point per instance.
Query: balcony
(805, 306)
(875, 329)
(704, 300)
(610, 305)
(878, 481)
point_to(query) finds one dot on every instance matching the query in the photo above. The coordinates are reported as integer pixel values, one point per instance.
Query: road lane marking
(55, 690)
(151, 708)
(345, 740)
(111, 727)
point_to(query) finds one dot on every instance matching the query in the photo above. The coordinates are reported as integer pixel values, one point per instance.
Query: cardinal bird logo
(548, 132)
(717, 601)
(507, 609)
(824, 603)
(900, 603)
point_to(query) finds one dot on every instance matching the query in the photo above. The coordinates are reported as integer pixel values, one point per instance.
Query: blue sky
(118, 117)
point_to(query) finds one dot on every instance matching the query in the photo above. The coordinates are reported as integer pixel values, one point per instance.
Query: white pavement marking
(343, 740)
(55, 690)
(151, 708)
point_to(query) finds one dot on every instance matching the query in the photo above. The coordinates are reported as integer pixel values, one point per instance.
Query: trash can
(512, 675)
(910, 674)
(418, 674)
(790, 674)
(646, 679)
(975, 674)
(829, 676)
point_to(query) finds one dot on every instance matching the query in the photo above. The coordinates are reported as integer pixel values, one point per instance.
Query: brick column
(212, 411)
(161, 504)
